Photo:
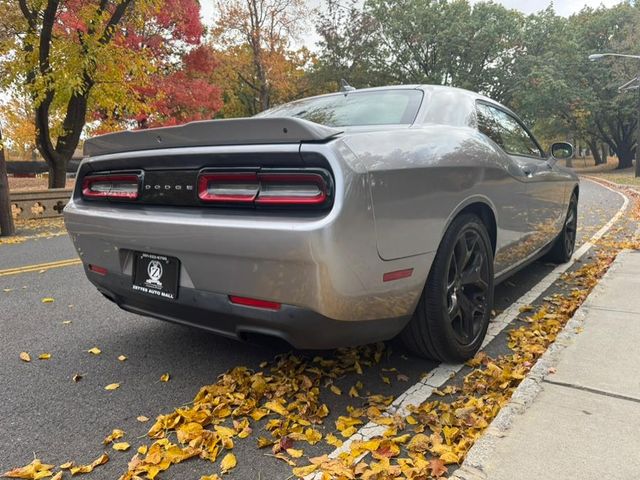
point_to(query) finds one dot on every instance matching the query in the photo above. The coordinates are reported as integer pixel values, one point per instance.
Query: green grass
(608, 171)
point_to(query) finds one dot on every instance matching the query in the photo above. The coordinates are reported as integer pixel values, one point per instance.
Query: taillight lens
(123, 186)
(228, 187)
(292, 189)
(264, 188)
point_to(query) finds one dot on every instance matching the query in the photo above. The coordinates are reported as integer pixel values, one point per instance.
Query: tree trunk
(625, 157)
(58, 173)
(605, 153)
(595, 151)
(7, 228)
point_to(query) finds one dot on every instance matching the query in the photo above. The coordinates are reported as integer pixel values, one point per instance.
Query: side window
(506, 131)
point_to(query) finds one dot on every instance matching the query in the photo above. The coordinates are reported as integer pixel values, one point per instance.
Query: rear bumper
(213, 312)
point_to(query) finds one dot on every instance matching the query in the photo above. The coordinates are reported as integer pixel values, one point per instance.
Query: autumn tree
(19, 126)
(182, 87)
(258, 67)
(68, 54)
(75, 57)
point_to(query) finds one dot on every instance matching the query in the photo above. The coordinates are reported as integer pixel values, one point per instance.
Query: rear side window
(506, 131)
(382, 107)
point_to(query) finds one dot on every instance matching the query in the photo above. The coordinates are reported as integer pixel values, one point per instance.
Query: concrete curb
(480, 454)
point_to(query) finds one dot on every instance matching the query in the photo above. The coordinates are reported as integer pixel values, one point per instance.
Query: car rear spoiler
(238, 131)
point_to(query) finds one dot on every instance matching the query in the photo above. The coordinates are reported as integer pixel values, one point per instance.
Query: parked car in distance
(330, 221)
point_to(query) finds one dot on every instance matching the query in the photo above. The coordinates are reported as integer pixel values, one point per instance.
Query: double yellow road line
(40, 267)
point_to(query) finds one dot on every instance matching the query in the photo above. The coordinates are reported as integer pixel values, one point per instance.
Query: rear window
(382, 107)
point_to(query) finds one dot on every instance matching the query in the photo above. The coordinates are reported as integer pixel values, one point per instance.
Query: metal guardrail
(39, 203)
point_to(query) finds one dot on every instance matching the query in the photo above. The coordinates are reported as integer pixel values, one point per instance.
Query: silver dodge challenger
(335, 220)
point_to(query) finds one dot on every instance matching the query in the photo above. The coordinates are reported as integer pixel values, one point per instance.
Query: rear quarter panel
(422, 176)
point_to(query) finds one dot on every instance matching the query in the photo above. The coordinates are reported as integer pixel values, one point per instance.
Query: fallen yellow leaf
(35, 469)
(210, 477)
(112, 386)
(44, 356)
(294, 453)
(57, 476)
(48, 300)
(77, 377)
(142, 449)
(121, 446)
(302, 472)
(95, 351)
(335, 390)
(165, 377)
(122, 358)
(228, 462)
(25, 357)
(142, 418)
(101, 460)
(114, 435)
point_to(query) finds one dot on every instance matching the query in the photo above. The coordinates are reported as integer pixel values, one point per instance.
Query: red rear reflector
(99, 270)
(111, 186)
(252, 302)
(397, 275)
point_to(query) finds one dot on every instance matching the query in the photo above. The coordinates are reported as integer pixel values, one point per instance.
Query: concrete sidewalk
(583, 421)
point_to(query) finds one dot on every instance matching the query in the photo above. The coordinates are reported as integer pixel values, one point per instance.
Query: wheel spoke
(468, 316)
(473, 274)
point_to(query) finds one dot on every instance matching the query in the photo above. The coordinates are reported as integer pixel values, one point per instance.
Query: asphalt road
(44, 413)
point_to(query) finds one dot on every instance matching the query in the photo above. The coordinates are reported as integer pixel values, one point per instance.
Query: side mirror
(560, 151)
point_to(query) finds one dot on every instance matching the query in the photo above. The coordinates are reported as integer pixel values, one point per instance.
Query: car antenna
(345, 87)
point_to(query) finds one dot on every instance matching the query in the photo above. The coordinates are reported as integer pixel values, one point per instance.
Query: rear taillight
(228, 187)
(116, 186)
(292, 189)
(265, 187)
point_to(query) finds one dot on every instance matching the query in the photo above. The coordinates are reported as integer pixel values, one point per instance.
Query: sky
(562, 7)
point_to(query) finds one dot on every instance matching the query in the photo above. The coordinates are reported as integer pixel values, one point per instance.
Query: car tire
(564, 245)
(453, 313)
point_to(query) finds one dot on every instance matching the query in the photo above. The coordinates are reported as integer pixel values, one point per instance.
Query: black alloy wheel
(452, 316)
(565, 244)
(467, 287)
